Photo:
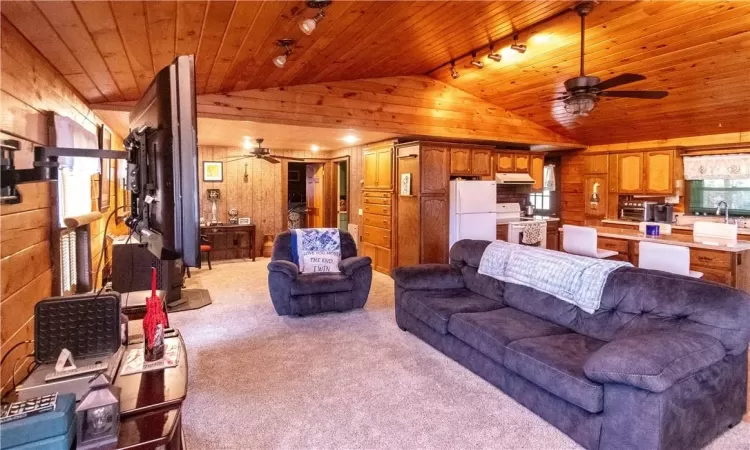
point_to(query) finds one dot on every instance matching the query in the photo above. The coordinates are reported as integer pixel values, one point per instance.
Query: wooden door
(481, 162)
(434, 168)
(314, 192)
(504, 162)
(598, 182)
(434, 243)
(659, 167)
(385, 169)
(630, 173)
(370, 169)
(614, 184)
(596, 164)
(521, 163)
(460, 161)
(537, 172)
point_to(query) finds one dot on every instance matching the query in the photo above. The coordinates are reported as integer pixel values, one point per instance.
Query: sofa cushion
(435, 308)
(555, 363)
(490, 332)
(314, 283)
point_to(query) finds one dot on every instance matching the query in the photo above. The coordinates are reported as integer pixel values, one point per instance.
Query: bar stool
(667, 258)
(664, 228)
(582, 241)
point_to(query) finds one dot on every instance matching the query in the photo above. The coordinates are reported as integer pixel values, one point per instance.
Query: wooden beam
(413, 105)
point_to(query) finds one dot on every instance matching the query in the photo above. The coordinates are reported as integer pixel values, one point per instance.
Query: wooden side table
(226, 242)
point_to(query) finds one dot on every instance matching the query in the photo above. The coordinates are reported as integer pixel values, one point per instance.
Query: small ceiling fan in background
(583, 92)
(261, 153)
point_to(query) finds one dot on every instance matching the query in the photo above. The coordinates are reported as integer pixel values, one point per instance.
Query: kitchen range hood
(513, 178)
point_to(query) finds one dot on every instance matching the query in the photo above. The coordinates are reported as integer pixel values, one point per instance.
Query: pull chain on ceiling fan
(583, 92)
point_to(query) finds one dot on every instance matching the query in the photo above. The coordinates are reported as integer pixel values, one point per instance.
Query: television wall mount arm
(8, 175)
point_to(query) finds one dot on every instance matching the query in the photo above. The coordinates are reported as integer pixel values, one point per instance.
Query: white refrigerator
(472, 211)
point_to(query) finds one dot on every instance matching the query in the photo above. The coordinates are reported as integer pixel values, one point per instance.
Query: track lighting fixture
(520, 48)
(497, 57)
(280, 60)
(308, 25)
(475, 62)
(454, 72)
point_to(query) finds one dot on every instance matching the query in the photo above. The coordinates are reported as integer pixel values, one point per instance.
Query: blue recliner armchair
(301, 294)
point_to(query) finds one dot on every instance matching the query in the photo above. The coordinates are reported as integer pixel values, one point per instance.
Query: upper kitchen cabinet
(504, 162)
(596, 164)
(377, 168)
(521, 163)
(537, 172)
(471, 161)
(630, 173)
(434, 160)
(613, 170)
(659, 170)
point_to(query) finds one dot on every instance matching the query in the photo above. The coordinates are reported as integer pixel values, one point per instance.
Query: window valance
(717, 167)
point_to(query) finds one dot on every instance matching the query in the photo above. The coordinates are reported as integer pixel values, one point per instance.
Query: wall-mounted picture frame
(243, 221)
(405, 184)
(213, 171)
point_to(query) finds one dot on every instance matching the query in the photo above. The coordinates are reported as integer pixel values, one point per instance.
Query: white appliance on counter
(510, 214)
(472, 211)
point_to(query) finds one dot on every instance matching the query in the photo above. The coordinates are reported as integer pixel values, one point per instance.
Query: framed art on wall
(405, 184)
(213, 171)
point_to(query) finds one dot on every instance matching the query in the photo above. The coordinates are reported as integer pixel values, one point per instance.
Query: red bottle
(154, 324)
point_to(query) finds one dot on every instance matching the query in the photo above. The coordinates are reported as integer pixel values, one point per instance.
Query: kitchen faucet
(726, 210)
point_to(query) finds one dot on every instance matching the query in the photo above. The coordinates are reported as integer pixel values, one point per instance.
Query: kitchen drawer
(377, 236)
(715, 275)
(377, 221)
(708, 258)
(370, 194)
(378, 200)
(618, 245)
(383, 210)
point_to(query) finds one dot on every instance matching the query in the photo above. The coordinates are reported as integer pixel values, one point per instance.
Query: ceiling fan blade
(271, 160)
(236, 159)
(656, 95)
(619, 80)
(291, 158)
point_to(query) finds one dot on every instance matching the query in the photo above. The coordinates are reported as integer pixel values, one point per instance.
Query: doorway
(341, 169)
(305, 195)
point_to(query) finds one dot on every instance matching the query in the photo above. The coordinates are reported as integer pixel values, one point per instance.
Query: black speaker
(131, 271)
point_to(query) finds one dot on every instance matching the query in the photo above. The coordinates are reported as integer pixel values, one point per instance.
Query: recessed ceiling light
(314, 148)
(246, 144)
(350, 139)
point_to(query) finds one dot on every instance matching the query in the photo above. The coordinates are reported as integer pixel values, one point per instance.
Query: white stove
(510, 214)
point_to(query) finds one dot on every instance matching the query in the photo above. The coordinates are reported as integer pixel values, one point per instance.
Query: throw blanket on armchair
(571, 278)
(316, 250)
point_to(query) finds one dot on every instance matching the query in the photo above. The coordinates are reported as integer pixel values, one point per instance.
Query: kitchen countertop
(671, 239)
(745, 231)
(527, 218)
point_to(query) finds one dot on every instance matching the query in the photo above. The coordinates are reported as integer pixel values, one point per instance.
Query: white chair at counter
(582, 241)
(667, 258)
(664, 228)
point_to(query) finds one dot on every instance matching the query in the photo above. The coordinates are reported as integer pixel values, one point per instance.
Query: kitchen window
(705, 195)
(541, 201)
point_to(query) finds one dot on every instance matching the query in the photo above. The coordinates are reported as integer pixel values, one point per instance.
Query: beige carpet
(341, 380)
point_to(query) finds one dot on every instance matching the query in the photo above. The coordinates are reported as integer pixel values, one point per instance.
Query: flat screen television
(167, 162)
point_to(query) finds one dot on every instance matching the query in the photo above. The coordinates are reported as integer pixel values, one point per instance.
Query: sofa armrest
(350, 265)
(428, 277)
(653, 361)
(286, 267)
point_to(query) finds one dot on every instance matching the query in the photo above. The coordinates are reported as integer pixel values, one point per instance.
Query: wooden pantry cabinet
(378, 168)
(378, 206)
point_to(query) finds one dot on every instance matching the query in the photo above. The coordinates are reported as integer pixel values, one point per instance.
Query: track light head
(454, 72)
(475, 62)
(280, 60)
(520, 48)
(308, 25)
(497, 57)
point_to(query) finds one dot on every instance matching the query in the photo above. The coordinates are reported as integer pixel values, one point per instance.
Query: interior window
(74, 187)
(540, 200)
(705, 195)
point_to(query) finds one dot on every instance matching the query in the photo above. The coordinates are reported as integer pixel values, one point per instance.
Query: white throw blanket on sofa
(571, 278)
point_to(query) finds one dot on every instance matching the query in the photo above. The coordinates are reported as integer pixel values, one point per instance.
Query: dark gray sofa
(303, 294)
(661, 365)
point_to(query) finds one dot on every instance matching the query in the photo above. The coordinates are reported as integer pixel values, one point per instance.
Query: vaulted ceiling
(699, 51)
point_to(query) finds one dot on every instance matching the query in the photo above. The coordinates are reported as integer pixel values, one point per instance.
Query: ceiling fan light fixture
(454, 72)
(280, 60)
(475, 62)
(580, 104)
(497, 57)
(520, 48)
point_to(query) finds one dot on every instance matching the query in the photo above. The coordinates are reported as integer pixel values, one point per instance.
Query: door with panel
(659, 169)
(315, 196)
(385, 169)
(434, 212)
(504, 162)
(630, 173)
(460, 161)
(521, 163)
(537, 172)
(481, 162)
(370, 169)
(434, 163)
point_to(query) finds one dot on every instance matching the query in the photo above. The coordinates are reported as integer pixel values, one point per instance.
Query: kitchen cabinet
(613, 171)
(433, 161)
(536, 170)
(502, 232)
(630, 173)
(521, 163)
(553, 235)
(598, 184)
(504, 162)
(376, 230)
(470, 161)
(377, 169)
(596, 164)
(659, 172)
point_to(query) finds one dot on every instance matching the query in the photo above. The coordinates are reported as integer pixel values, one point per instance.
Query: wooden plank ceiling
(697, 50)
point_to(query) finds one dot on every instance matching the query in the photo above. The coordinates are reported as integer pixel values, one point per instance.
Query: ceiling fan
(262, 153)
(583, 92)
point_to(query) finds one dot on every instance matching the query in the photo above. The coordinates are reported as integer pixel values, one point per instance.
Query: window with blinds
(68, 272)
